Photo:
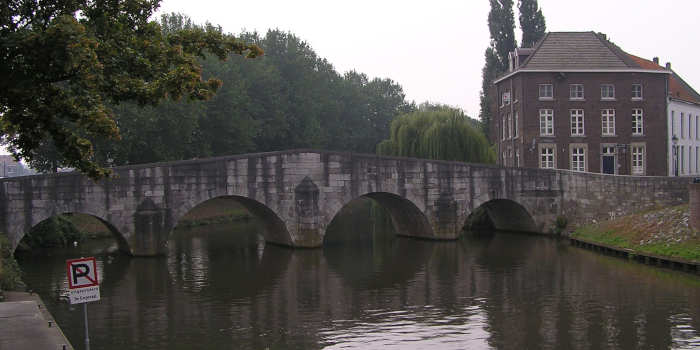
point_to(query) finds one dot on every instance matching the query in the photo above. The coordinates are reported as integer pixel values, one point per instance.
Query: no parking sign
(82, 280)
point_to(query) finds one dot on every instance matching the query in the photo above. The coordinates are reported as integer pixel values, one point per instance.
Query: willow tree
(437, 133)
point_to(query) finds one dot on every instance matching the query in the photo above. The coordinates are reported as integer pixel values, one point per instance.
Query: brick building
(576, 101)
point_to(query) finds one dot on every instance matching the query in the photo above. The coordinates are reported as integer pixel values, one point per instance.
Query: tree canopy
(64, 63)
(437, 132)
(531, 22)
(288, 98)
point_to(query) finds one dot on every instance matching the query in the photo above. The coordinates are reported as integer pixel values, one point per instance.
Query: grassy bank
(662, 232)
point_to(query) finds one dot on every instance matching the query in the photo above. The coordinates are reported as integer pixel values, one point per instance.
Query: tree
(64, 62)
(531, 22)
(437, 132)
(502, 30)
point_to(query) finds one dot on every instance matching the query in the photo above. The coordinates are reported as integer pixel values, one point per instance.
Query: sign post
(84, 286)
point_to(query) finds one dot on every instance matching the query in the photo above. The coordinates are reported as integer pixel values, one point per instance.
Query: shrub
(10, 274)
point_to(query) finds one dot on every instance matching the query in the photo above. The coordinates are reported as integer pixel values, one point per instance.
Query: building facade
(11, 168)
(576, 101)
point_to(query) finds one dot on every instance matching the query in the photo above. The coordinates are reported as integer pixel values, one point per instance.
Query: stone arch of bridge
(407, 218)
(503, 214)
(273, 227)
(116, 234)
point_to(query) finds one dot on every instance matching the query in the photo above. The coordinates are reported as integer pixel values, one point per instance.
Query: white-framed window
(577, 122)
(673, 122)
(546, 122)
(517, 159)
(636, 91)
(637, 159)
(697, 158)
(547, 156)
(637, 121)
(510, 127)
(607, 92)
(505, 98)
(515, 125)
(608, 122)
(546, 92)
(697, 121)
(690, 126)
(576, 92)
(578, 159)
(504, 158)
(682, 160)
(682, 125)
(503, 127)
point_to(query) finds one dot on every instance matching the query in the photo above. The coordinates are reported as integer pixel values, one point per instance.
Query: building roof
(677, 87)
(580, 51)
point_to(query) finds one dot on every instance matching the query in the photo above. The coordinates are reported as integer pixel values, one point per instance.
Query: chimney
(656, 60)
(668, 65)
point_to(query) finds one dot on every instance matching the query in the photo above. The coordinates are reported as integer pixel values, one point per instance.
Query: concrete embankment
(25, 323)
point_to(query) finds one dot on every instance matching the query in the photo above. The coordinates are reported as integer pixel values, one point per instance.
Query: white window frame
(503, 127)
(578, 158)
(638, 154)
(505, 98)
(682, 125)
(637, 94)
(546, 91)
(577, 120)
(607, 122)
(546, 122)
(517, 158)
(547, 156)
(607, 91)
(510, 126)
(637, 121)
(697, 121)
(575, 93)
(515, 126)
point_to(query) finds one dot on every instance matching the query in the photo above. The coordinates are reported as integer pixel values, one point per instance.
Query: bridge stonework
(297, 193)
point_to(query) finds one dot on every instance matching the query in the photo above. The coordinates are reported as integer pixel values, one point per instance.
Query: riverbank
(661, 232)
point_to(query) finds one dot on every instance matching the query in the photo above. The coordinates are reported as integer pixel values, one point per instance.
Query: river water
(221, 287)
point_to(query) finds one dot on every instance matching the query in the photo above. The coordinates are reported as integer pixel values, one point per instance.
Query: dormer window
(607, 92)
(546, 92)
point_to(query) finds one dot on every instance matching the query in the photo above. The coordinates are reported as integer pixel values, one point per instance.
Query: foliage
(488, 75)
(64, 62)
(437, 132)
(57, 231)
(502, 31)
(560, 224)
(532, 22)
(10, 273)
(289, 98)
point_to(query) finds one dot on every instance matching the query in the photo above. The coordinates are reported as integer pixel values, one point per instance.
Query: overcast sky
(435, 49)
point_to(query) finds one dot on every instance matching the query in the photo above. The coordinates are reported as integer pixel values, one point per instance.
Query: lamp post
(674, 139)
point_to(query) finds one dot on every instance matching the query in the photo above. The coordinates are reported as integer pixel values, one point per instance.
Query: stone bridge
(297, 193)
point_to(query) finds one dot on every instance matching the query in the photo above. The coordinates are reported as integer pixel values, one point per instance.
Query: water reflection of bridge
(463, 288)
(297, 194)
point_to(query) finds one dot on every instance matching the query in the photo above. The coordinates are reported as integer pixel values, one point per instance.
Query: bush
(57, 231)
(10, 274)
(560, 224)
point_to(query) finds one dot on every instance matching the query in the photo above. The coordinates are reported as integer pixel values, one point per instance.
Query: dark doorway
(608, 164)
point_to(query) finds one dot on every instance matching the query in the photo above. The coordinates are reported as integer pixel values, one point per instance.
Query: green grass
(642, 235)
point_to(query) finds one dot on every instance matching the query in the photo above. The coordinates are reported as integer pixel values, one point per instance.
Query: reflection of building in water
(10, 168)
